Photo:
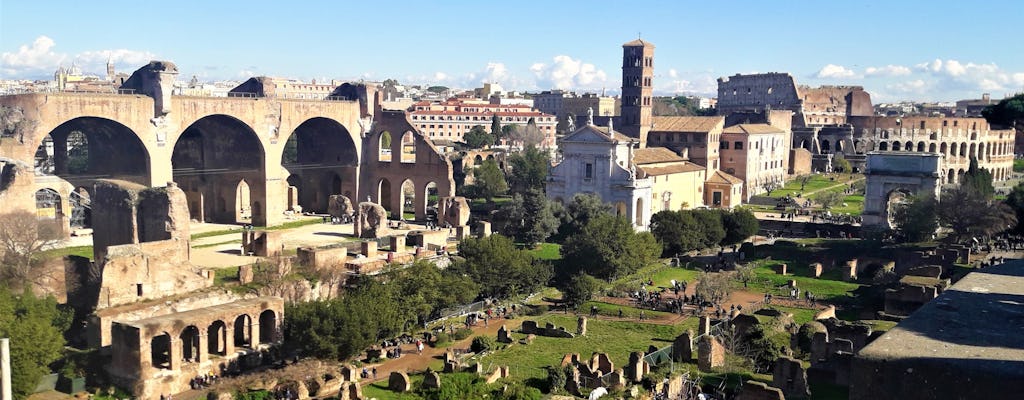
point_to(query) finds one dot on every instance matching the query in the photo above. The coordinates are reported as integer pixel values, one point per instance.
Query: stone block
(453, 211)
(485, 229)
(368, 248)
(930, 271)
(636, 368)
(476, 368)
(399, 382)
(790, 376)
(349, 374)
(581, 326)
(431, 380)
(753, 390)
(816, 270)
(704, 325)
(570, 359)
(528, 327)
(601, 362)
(781, 269)
(682, 347)
(503, 335)
(451, 366)
(338, 206)
(710, 353)
(245, 274)
(397, 243)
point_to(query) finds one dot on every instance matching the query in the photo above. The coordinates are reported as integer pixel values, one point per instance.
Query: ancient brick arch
(177, 347)
(209, 160)
(323, 158)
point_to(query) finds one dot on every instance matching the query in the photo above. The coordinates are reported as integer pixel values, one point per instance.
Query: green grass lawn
(82, 251)
(1018, 165)
(800, 315)
(852, 205)
(817, 182)
(824, 288)
(617, 339)
(547, 251)
(612, 310)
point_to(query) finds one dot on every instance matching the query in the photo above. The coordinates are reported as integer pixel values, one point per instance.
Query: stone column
(255, 332)
(60, 153)
(5, 370)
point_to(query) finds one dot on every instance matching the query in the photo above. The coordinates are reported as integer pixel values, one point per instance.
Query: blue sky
(923, 50)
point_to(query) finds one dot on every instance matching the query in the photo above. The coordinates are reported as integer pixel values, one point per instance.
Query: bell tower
(637, 78)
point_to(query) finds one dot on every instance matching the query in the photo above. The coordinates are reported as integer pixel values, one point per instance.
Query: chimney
(986, 97)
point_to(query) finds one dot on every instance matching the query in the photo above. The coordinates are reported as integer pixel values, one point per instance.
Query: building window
(588, 171)
(725, 146)
(738, 145)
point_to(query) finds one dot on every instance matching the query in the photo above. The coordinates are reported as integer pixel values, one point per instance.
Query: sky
(934, 50)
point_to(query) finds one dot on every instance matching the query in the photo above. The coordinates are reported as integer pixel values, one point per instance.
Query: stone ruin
(581, 326)
(500, 372)
(453, 211)
(790, 376)
(431, 380)
(637, 367)
(399, 382)
(682, 347)
(593, 373)
(339, 206)
(530, 328)
(710, 353)
(919, 286)
(753, 390)
(371, 221)
(503, 335)
(262, 243)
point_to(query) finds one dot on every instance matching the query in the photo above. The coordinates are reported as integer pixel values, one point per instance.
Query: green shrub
(462, 334)
(482, 343)
(442, 339)
(556, 379)
(537, 310)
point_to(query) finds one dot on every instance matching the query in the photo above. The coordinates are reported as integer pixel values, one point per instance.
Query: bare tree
(769, 187)
(23, 238)
(803, 179)
(714, 286)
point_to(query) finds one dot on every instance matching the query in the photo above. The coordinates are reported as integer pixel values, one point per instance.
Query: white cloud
(954, 75)
(888, 70)
(672, 73)
(440, 76)
(568, 73)
(835, 71)
(35, 58)
(39, 59)
(916, 86)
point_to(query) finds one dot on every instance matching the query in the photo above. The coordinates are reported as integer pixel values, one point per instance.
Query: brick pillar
(176, 353)
(229, 339)
(255, 335)
(203, 351)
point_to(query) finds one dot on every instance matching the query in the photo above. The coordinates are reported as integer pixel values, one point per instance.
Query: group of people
(368, 373)
(202, 381)
(344, 219)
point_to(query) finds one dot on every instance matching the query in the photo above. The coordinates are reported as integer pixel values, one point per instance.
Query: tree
(968, 215)
(1015, 200)
(676, 231)
(490, 181)
(529, 218)
(769, 187)
(978, 180)
(840, 164)
(23, 237)
(496, 126)
(423, 290)
(341, 328)
(829, 199)
(579, 211)
(1008, 112)
(580, 289)
(478, 138)
(35, 326)
(437, 89)
(745, 273)
(608, 247)
(739, 224)
(709, 223)
(530, 135)
(499, 267)
(803, 179)
(915, 219)
(507, 131)
(713, 286)
(530, 169)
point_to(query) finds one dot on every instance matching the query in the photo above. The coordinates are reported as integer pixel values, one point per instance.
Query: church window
(588, 171)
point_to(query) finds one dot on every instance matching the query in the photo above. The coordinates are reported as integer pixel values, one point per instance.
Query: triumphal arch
(892, 177)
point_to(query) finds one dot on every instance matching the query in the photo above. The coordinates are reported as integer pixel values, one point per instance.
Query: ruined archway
(825, 147)
(408, 204)
(268, 327)
(384, 147)
(896, 146)
(243, 203)
(430, 201)
(384, 194)
(190, 344)
(217, 338)
(81, 208)
(87, 148)
(325, 160)
(160, 351)
(408, 148)
(895, 200)
(243, 331)
(209, 160)
(884, 146)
